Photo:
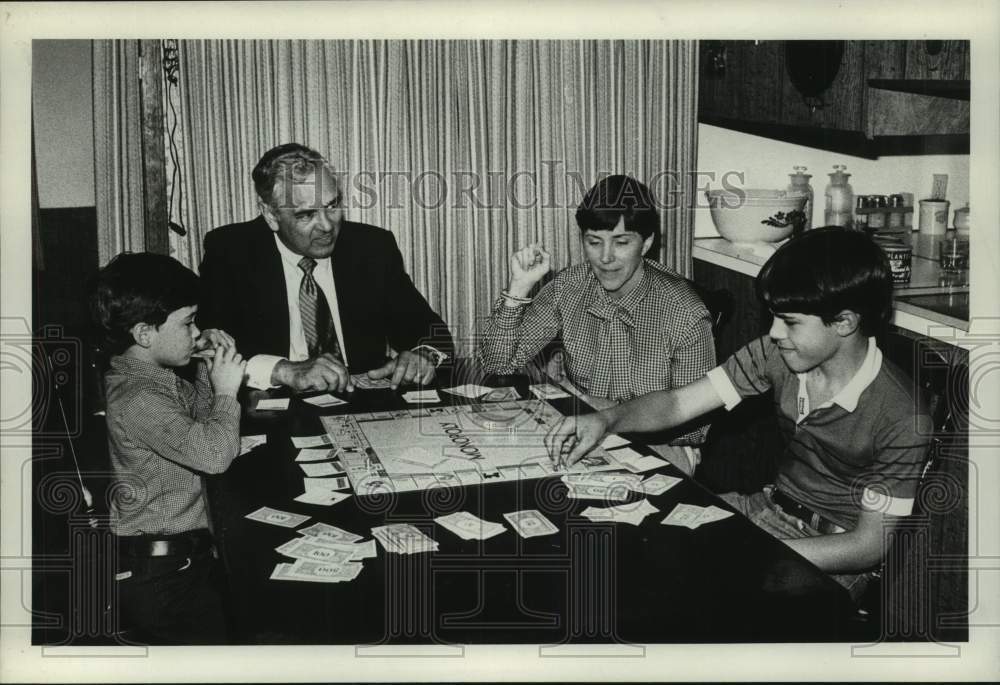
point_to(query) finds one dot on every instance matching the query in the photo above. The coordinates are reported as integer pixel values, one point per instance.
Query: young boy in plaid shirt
(857, 436)
(163, 434)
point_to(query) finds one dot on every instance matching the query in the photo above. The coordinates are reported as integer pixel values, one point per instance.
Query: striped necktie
(315, 313)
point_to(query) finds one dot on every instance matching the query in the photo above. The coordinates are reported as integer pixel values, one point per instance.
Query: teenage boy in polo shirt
(163, 434)
(628, 325)
(856, 436)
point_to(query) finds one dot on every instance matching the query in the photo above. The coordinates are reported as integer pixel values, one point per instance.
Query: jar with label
(876, 220)
(799, 185)
(839, 198)
(896, 215)
(860, 215)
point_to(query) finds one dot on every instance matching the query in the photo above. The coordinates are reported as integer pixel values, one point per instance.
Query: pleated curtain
(465, 150)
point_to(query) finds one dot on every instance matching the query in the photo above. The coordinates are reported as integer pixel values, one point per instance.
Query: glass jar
(839, 198)
(799, 185)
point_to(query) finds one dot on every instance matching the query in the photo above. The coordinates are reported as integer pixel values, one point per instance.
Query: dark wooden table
(591, 582)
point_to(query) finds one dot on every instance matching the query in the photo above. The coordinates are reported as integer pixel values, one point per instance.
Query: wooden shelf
(944, 88)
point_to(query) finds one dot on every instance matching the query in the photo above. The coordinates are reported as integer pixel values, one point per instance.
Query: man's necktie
(321, 335)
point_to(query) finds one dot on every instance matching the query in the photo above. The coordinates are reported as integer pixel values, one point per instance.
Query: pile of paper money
(470, 527)
(403, 538)
(633, 513)
(691, 515)
(603, 486)
(324, 554)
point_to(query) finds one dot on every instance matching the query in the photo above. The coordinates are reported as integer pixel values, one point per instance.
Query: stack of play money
(605, 486)
(469, 527)
(403, 538)
(323, 554)
(632, 513)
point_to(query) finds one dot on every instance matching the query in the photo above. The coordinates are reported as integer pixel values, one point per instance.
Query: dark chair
(719, 304)
(940, 506)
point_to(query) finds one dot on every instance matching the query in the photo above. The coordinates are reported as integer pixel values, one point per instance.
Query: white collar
(293, 258)
(850, 394)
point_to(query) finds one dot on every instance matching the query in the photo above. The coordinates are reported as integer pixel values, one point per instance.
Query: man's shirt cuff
(724, 387)
(259, 368)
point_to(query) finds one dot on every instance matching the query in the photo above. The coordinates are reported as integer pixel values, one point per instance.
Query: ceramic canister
(934, 216)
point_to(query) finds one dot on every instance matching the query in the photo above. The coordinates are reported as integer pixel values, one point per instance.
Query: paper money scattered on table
(470, 527)
(302, 441)
(530, 523)
(403, 538)
(657, 484)
(547, 391)
(276, 517)
(330, 533)
(250, 442)
(691, 515)
(632, 513)
(326, 400)
(317, 572)
(273, 404)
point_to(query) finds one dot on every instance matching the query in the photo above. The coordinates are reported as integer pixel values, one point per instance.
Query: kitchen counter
(932, 304)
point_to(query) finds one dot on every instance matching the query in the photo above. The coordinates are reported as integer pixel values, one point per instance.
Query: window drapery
(465, 150)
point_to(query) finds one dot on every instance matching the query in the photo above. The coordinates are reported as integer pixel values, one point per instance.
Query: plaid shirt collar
(603, 307)
(138, 368)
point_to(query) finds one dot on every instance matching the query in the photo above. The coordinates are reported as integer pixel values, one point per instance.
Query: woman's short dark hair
(138, 288)
(615, 197)
(827, 270)
(299, 160)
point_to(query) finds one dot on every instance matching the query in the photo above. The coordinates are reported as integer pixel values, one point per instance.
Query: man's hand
(407, 367)
(322, 373)
(226, 370)
(527, 266)
(573, 437)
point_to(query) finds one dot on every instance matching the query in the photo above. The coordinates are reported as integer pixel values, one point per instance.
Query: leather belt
(804, 514)
(181, 545)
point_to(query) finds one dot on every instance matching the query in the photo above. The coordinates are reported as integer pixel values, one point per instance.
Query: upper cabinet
(855, 96)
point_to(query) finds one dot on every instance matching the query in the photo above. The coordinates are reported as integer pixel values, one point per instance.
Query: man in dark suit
(311, 297)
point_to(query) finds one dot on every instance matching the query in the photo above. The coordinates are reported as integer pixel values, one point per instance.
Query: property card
(327, 400)
(322, 468)
(530, 523)
(314, 454)
(323, 498)
(419, 396)
(547, 391)
(470, 390)
(276, 404)
(326, 484)
(277, 517)
(311, 441)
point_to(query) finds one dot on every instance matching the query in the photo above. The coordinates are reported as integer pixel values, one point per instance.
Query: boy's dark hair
(138, 288)
(615, 197)
(291, 158)
(827, 270)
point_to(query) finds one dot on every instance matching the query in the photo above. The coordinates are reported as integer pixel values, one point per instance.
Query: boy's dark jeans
(171, 600)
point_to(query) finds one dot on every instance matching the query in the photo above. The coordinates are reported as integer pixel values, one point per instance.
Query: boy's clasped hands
(226, 366)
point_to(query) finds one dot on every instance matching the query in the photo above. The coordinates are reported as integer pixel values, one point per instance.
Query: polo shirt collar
(850, 394)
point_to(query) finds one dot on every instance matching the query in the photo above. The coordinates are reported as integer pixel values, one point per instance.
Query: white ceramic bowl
(751, 216)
